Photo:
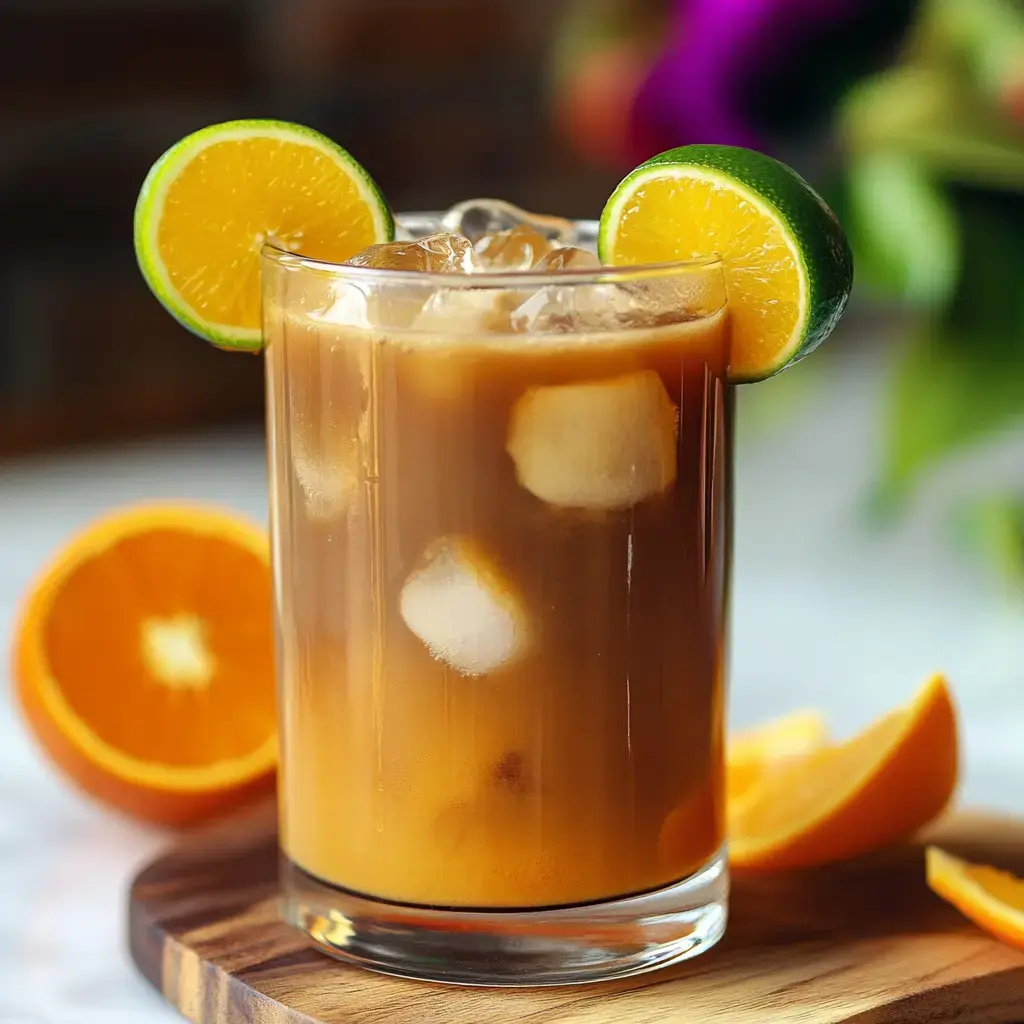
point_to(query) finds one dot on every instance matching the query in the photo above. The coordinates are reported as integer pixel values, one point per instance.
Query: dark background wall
(441, 99)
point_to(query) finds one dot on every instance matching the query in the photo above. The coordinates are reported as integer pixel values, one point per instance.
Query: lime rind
(149, 206)
(822, 254)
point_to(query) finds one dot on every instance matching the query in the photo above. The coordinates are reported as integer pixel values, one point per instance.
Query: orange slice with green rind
(211, 201)
(789, 269)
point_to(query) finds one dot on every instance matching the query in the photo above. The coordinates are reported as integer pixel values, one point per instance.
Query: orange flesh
(94, 639)
(992, 899)
(851, 798)
(1001, 885)
(819, 779)
(752, 752)
(235, 194)
(686, 218)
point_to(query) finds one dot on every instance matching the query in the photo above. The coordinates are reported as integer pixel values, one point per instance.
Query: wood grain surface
(864, 942)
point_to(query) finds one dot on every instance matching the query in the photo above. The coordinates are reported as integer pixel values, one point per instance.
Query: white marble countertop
(826, 613)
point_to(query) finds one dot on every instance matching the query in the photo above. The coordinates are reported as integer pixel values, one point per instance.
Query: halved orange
(992, 899)
(144, 662)
(788, 266)
(846, 799)
(749, 753)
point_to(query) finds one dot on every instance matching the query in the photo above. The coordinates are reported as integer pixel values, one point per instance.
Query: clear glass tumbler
(501, 531)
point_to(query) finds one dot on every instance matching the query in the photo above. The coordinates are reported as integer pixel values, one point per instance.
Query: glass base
(551, 946)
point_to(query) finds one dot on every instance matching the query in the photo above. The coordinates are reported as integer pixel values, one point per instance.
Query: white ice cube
(464, 609)
(328, 476)
(462, 312)
(347, 305)
(559, 309)
(518, 248)
(568, 257)
(474, 218)
(604, 444)
(441, 253)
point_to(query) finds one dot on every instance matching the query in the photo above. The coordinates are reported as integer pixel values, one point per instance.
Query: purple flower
(717, 52)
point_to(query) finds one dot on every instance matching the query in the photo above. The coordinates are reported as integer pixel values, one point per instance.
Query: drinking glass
(501, 524)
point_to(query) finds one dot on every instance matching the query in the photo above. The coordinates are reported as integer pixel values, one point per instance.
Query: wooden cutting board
(864, 942)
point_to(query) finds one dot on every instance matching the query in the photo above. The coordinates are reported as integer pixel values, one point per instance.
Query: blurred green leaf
(962, 377)
(984, 36)
(994, 529)
(950, 389)
(902, 228)
(935, 113)
(879, 111)
(989, 299)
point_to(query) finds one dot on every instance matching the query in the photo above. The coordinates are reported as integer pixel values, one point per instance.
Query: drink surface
(502, 568)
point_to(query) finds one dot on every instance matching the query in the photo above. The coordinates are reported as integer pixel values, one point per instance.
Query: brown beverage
(502, 547)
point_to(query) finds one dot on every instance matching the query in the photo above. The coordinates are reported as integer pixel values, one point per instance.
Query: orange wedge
(144, 662)
(992, 899)
(850, 798)
(752, 752)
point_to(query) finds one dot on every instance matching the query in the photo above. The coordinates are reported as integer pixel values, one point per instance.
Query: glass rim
(278, 254)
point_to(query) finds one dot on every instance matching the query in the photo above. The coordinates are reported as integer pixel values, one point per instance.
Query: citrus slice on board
(209, 203)
(850, 798)
(788, 265)
(749, 753)
(144, 662)
(992, 899)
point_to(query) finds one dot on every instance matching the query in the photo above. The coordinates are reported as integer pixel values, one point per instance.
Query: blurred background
(880, 520)
(440, 99)
(908, 115)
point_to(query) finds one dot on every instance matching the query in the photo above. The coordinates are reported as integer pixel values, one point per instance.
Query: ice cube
(326, 411)
(581, 307)
(560, 309)
(463, 608)
(347, 305)
(443, 253)
(519, 248)
(463, 311)
(672, 298)
(475, 218)
(606, 444)
(567, 258)
(328, 475)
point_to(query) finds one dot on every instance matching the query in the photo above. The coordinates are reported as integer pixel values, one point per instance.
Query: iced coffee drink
(500, 492)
